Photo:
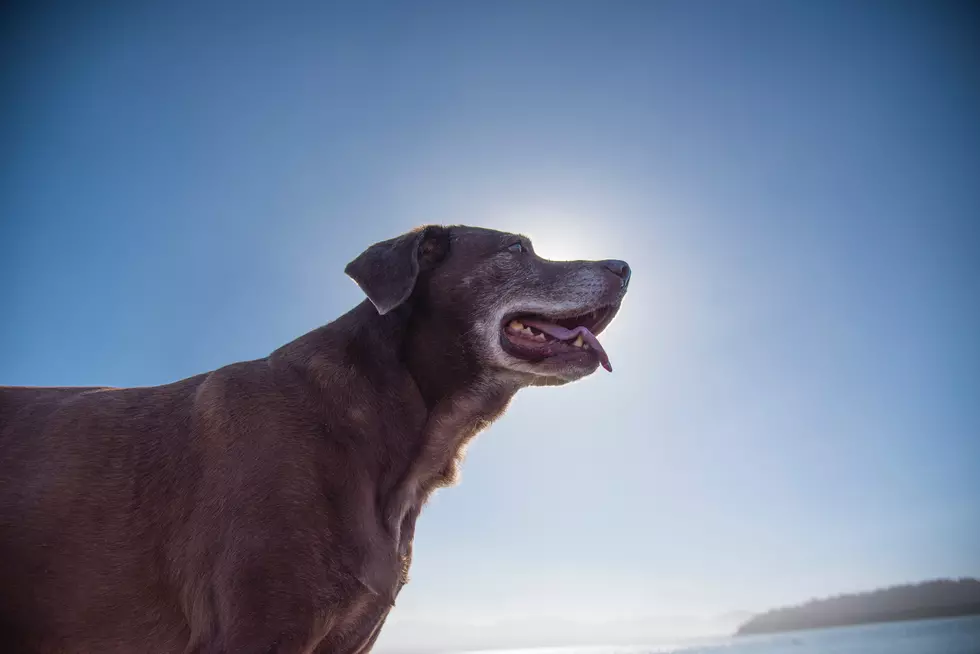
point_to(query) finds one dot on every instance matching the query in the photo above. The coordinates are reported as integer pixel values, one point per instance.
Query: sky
(795, 407)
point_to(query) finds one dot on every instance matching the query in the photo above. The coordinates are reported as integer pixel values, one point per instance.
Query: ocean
(944, 636)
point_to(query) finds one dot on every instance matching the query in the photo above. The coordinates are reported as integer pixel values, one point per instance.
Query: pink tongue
(563, 334)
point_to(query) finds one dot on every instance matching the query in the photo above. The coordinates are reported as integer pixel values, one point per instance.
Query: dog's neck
(461, 398)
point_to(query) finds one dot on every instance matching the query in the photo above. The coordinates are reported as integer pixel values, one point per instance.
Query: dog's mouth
(536, 337)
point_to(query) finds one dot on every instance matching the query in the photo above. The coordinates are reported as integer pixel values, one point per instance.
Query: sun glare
(559, 235)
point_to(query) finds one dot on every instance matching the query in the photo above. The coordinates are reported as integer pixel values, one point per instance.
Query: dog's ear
(387, 271)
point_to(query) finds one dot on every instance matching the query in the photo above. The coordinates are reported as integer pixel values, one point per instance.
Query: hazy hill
(930, 599)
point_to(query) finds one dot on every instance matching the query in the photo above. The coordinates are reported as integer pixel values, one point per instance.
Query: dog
(270, 505)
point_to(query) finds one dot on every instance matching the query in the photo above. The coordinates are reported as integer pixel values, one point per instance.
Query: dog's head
(490, 299)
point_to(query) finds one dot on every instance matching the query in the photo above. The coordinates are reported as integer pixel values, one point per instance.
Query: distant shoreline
(926, 601)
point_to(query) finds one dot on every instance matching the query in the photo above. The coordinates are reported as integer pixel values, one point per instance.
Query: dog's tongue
(564, 334)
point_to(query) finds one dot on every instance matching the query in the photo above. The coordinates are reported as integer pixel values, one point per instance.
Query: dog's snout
(620, 268)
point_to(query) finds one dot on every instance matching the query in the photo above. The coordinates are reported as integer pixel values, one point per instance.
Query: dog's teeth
(516, 325)
(527, 331)
(578, 341)
(540, 337)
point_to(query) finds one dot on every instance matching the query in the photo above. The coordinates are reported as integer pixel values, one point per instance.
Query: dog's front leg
(264, 637)
(281, 602)
(359, 639)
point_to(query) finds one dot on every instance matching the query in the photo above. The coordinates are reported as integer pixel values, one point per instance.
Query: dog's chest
(450, 427)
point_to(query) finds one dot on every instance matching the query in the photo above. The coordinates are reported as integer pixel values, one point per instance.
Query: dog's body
(269, 506)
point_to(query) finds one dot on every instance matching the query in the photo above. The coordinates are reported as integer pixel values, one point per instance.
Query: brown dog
(270, 505)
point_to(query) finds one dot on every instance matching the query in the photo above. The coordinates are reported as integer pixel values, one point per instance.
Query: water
(946, 636)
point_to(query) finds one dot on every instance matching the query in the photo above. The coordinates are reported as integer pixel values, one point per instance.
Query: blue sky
(795, 407)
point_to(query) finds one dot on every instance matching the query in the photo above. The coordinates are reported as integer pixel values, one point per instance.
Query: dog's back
(123, 511)
(83, 477)
(19, 402)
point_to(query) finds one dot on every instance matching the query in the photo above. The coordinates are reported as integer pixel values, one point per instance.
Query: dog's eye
(517, 247)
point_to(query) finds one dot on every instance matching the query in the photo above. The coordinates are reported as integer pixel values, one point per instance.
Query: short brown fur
(270, 505)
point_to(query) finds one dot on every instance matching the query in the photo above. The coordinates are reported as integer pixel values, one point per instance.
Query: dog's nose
(620, 268)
